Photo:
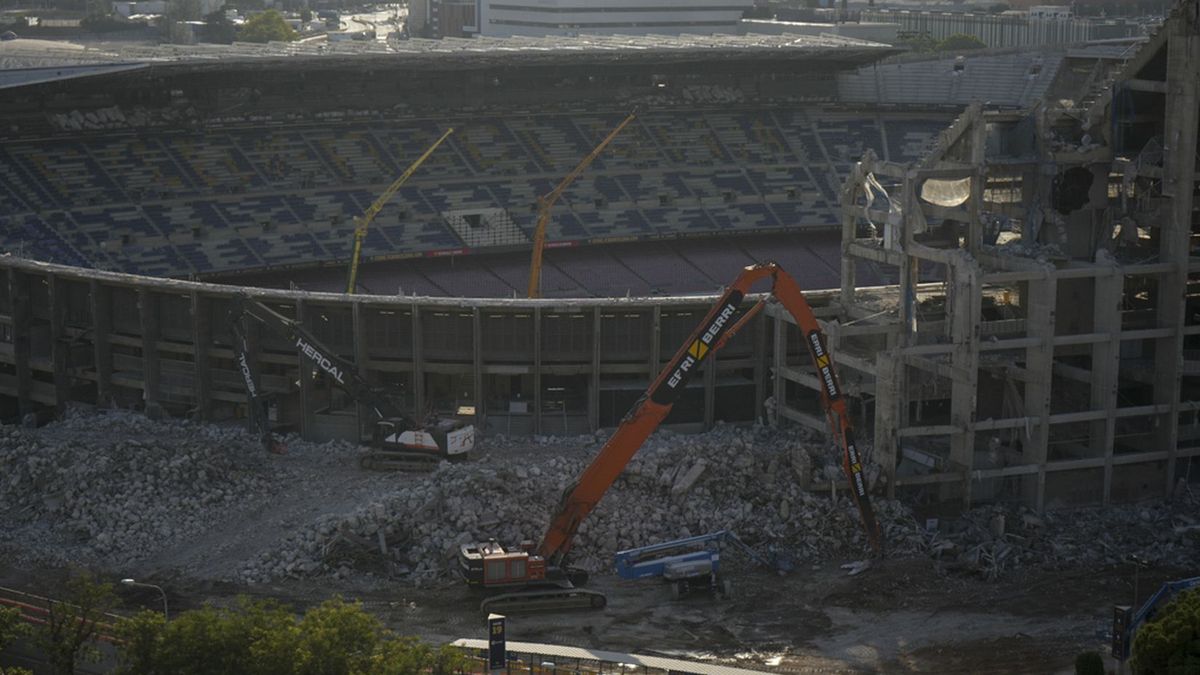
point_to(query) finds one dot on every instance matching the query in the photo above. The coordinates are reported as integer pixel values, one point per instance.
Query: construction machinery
(691, 563)
(529, 578)
(363, 222)
(397, 441)
(1126, 621)
(546, 203)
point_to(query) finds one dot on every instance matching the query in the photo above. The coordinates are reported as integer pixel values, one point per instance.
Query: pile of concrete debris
(117, 487)
(744, 479)
(107, 490)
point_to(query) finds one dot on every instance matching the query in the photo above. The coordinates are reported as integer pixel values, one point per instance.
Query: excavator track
(544, 600)
(399, 461)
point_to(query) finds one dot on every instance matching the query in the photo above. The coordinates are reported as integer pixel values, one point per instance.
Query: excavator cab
(488, 564)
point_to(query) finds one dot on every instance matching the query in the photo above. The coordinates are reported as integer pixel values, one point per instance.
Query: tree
(12, 628)
(73, 624)
(1170, 643)
(334, 638)
(960, 42)
(305, 16)
(918, 42)
(1089, 663)
(219, 29)
(266, 27)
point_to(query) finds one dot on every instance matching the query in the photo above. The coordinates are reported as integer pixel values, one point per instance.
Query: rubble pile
(744, 479)
(991, 540)
(118, 487)
(111, 489)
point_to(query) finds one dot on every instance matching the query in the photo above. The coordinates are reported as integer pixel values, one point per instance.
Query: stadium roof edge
(447, 54)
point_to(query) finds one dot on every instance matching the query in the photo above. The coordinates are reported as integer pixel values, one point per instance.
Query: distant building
(457, 18)
(1043, 25)
(1044, 12)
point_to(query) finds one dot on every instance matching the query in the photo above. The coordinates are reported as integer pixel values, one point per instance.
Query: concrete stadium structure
(73, 334)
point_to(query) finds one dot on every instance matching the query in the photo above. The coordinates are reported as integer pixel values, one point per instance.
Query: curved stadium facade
(142, 191)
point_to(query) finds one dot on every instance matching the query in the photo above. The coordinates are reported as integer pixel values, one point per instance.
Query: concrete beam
(202, 339)
(60, 346)
(101, 297)
(22, 318)
(151, 361)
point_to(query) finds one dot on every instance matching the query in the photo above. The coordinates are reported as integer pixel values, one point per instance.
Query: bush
(1089, 663)
(267, 27)
(1170, 643)
(334, 638)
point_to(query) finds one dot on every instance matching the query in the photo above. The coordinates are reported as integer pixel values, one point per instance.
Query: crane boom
(546, 203)
(714, 331)
(364, 221)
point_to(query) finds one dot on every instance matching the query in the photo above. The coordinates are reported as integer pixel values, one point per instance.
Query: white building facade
(625, 17)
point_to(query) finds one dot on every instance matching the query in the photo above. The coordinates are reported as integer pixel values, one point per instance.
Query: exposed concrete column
(760, 363)
(1179, 184)
(978, 159)
(887, 415)
(101, 330)
(418, 364)
(537, 370)
(202, 339)
(360, 363)
(964, 322)
(710, 390)
(779, 361)
(1042, 299)
(307, 404)
(59, 343)
(22, 316)
(477, 366)
(151, 360)
(1106, 367)
(594, 375)
(850, 191)
(655, 342)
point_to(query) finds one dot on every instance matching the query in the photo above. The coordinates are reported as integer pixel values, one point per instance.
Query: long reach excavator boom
(539, 578)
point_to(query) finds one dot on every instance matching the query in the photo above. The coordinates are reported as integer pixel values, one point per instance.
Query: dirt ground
(900, 616)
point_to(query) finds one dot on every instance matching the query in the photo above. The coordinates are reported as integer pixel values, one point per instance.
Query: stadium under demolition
(929, 349)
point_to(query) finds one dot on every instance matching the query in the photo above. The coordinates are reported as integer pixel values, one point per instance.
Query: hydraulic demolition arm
(398, 441)
(535, 570)
(546, 203)
(364, 221)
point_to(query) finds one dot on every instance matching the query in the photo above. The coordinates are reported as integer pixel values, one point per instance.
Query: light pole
(131, 582)
(1138, 564)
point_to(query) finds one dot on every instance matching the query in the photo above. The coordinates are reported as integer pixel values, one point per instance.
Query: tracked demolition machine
(397, 441)
(529, 578)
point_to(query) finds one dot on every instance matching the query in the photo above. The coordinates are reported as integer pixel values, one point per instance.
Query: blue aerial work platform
(690, 563)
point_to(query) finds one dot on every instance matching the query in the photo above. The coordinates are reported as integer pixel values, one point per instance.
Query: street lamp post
(131, 582)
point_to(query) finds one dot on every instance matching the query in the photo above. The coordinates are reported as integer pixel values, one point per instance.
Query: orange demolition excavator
(530, 579)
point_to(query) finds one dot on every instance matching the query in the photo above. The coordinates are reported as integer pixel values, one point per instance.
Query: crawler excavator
(397, 441)
(530, 579)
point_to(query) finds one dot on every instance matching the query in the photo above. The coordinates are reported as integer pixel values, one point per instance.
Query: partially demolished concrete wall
(1041, 343)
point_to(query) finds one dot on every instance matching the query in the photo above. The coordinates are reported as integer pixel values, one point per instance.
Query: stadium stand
(181, 203)
(1012, 79)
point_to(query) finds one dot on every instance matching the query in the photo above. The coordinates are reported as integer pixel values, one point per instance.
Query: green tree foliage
(305, 16)
(266, 27)
(1170, 644)
(1089, 663)
(12, 628)
(335, 638)
(72, 624)
(960, 42)
(219, 28)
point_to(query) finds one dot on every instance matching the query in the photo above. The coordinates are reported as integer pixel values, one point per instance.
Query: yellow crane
(546, 202)
(364, 221)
